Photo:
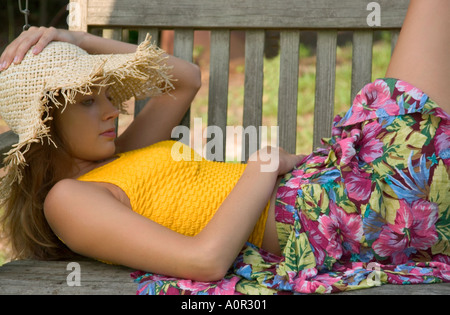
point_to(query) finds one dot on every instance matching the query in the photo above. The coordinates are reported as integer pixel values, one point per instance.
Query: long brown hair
(23, 220)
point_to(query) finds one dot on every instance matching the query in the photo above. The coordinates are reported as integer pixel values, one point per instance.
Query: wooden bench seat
(51, 277)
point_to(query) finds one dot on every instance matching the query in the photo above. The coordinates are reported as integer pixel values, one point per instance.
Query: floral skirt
(372, 207)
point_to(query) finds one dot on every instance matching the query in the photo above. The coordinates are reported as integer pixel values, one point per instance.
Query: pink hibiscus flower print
(299, 178)
(414, 229)
(411, 90)
(317, 240)
(343, 230)
(370, 147)
(373, 97)
(224, 286)
(358, 185)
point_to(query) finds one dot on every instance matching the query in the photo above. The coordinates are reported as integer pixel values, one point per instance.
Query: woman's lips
(110, 133)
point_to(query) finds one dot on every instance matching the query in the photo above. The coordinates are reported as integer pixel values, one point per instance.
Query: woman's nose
(112, 114)
(110, 111)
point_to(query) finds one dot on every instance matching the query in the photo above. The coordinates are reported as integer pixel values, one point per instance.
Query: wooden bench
(58, 277)
(113, 18)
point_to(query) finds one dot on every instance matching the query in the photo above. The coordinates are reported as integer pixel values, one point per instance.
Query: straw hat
(29, 88)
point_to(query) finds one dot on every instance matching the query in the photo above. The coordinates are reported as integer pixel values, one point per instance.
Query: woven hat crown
(23, 87)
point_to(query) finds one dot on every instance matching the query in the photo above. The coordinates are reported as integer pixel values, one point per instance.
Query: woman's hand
(39, 37)
(288, 161)
(275, 159)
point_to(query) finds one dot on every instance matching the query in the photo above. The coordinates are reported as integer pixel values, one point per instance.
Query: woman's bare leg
(422, 54)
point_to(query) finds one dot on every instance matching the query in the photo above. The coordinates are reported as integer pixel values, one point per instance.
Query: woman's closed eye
(87, 102)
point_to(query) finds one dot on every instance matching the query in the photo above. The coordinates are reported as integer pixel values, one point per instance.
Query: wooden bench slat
(361, 61)
(218, 85)
(394, 39)
(317, 14)
(152, 31)
(253, 89)
(288, 89)
(183, 47)
(325, 85)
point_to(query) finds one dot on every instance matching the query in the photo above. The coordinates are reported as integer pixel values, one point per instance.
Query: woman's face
(88, 126)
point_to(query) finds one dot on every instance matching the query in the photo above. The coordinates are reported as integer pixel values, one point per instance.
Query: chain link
(26, 13)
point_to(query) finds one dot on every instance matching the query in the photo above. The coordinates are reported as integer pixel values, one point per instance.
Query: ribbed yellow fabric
(172, 185)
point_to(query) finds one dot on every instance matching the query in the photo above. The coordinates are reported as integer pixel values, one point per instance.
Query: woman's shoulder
(68, 192)
(80, 212)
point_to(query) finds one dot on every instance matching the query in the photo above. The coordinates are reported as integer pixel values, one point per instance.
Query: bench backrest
(255, 17)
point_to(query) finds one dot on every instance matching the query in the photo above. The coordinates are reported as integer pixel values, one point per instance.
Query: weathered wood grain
(343, 14)
(253, 88)
(31, 277)
(361, 60)
(50, 277)
(183, 47)
(288, 89)
(218, 86)
(325, 85)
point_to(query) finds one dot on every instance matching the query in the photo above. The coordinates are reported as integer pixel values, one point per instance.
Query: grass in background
(306, 84)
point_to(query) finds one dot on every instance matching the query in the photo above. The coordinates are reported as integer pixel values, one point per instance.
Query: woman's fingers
(16, 50)
(276, 159)
(12, 51)
(49, 35)
(288, 161)
(25, 43)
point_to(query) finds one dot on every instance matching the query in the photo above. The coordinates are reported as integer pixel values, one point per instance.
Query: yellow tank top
(172, 185)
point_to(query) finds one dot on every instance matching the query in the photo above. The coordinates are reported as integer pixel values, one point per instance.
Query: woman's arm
(92, 222)
(162, 113)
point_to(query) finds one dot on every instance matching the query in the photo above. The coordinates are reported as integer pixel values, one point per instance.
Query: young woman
(85, 129)
(375, 199)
